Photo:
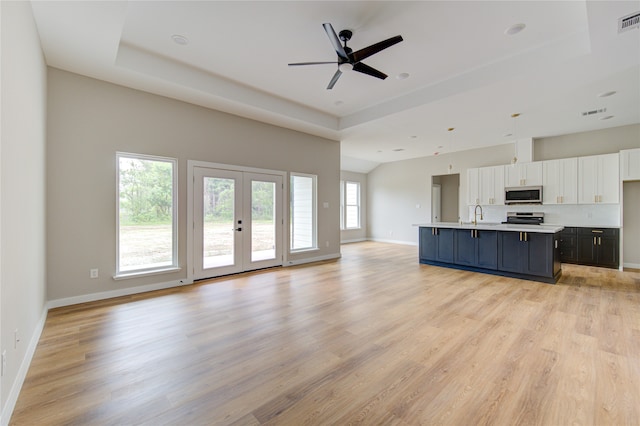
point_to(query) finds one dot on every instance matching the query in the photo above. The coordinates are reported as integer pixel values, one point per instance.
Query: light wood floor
(373, 338)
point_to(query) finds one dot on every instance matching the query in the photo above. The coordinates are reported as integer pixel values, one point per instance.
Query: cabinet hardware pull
(525, 237)
(599, 241)
(594, 241)
(562, 199)
(597, 231)
(599, 198)
(556, 244)
(472, 233)
(521, 236)
(595, 198)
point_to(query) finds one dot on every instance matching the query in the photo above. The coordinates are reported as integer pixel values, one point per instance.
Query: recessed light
(412, 137)
(398, 149)
(180, 39)
(607, 117)
(338, 103)
(439, 146)
(514, 29)
(508, 135)
(402, 76)
(606, 94)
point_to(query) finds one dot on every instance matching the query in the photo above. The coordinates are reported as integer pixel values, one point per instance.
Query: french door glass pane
(218, 222)
(263, 225)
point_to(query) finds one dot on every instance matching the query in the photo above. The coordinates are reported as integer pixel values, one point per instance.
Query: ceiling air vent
(629, 22)
(594, 112)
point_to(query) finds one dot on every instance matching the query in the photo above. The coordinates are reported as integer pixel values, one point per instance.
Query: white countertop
(543, 229)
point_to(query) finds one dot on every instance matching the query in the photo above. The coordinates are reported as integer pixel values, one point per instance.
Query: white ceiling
(465, 72)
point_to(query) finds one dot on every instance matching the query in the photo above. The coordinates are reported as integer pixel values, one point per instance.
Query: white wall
(22, 199)
(352, 235)
(89, 120)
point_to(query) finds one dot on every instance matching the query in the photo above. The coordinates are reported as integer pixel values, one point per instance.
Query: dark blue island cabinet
(528, 255)
(476, 247)
(436, 244)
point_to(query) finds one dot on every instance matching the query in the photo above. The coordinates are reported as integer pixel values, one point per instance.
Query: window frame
(314, 212)
(149, 270)
(344, 206)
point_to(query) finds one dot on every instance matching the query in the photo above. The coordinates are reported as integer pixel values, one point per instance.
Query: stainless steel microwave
(523, 195)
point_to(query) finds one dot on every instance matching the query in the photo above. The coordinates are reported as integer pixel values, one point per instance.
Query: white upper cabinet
(491, 185)
(485, 185)
(599, 179)
(473, 187)
(523, 174)
(560, 181)
(630, 164)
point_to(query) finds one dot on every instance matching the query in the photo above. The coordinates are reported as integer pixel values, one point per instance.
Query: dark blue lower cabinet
(476, 248)
(436, 244)
(527, 253)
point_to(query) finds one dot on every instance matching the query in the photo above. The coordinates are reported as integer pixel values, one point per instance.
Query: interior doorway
(447, 206)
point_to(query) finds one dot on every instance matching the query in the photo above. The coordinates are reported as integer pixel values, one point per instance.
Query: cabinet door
(498, 185)
(510, 257)
(540, 253)
(607, 252)
(609, 178)
(532, 173)
(473, 185)
(428, 244)
(568, 244)
(568, 181)
(586, 249)
(630, 164)
(551, 182)
(465, 247)
(587, 180)
(444, 247)
(487, 249)
(512, 175)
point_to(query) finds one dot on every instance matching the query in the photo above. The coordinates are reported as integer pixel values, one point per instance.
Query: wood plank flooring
(373, 338)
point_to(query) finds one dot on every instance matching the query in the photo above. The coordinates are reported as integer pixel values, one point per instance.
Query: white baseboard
(381, 240)
(631, 265)
(14, 392)
(313, 259)
(115, 293)
(356, 240)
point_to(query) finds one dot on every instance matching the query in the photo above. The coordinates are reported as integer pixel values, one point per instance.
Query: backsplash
(566, 214)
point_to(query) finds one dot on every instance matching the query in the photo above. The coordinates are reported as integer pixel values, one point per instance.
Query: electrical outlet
(4, 362)
(93, 273)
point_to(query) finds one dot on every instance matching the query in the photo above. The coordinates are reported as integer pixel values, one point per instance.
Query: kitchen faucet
(475, 214)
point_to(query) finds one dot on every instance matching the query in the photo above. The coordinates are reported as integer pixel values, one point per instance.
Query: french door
(237, 221)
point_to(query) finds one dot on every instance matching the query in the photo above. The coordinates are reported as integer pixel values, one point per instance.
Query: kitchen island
(530, 252)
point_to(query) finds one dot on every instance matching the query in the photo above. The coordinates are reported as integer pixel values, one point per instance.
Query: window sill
(129, 275)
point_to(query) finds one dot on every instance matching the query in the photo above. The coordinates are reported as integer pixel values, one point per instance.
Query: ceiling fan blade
(334, 79)
(375, 48)
(335, 41)
(366, 69)
(311, 63)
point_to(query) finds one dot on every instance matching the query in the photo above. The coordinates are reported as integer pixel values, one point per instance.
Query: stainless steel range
(525, 218)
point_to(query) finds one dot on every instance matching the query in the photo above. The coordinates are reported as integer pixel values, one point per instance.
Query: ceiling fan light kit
(348, 60)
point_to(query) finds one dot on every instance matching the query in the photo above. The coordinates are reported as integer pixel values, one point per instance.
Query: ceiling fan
(350, 60)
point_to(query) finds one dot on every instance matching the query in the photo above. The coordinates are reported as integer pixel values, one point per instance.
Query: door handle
(237, 229)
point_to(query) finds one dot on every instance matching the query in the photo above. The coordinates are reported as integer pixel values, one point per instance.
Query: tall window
(349, 205)
(147, 224)
(303, 212)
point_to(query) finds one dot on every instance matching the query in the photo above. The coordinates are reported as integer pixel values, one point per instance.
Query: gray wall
(450, 197)
(596, 142)
(22, 197)
(89, 120)
(352, 235)
(397, 189)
